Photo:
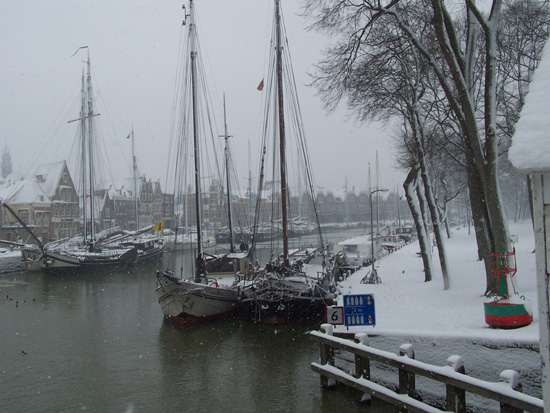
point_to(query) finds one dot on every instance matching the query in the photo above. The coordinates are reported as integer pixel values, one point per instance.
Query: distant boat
(71, 255)
(392, 243)
(358, 251)
(186, 238)
(149, 244)
(199, 296)
(11, 259)
(282, 291)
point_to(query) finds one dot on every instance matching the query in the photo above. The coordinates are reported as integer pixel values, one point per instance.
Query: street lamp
(371, 227)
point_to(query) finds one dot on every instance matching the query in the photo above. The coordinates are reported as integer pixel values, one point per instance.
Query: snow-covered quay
(407, 306)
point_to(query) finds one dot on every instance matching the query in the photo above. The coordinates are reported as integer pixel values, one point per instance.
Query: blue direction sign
(359, 310)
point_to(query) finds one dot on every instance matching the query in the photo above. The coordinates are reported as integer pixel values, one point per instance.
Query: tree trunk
(410, 185)
(446, 221)
(418, 132)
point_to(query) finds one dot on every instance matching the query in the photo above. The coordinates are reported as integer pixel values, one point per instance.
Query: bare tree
(388, 81)
(452, 58)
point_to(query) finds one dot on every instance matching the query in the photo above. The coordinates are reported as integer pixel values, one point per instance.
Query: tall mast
(200, 259)
(346, 200)
(90, 151)
(377, 197)
(282, 150)
(226, 136)
(249, 182)
(87, 154)
(135, 180)
(83, 157)
(398, 210)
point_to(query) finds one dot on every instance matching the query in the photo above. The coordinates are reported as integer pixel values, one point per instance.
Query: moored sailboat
(282, 290)
(148, 241)
(191, 299)
(88, 250)
(72, 256)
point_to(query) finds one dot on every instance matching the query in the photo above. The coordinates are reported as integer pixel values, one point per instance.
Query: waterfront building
(45, 200)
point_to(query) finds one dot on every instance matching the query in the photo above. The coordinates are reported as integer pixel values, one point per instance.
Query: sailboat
(89, 250)
(234, 261)
(148, 244)
(282, 290)
(191, 299)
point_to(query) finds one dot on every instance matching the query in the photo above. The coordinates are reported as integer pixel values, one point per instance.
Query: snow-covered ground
(406, 305)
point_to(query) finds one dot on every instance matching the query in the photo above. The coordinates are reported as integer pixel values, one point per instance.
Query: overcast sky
(133, 46)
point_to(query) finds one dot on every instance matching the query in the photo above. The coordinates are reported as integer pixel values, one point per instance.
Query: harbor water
(98, 342)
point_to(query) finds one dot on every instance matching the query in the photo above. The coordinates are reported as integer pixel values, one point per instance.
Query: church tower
(6, 167)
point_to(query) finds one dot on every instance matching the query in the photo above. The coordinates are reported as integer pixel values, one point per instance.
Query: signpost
(358, 310)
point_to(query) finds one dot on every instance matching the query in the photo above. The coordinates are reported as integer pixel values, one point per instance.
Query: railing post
(406, 380)
(456, 398)
(510, 377)
(327, 355)
(362, 364)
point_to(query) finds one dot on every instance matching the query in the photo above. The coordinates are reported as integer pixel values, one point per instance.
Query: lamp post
(371, 226)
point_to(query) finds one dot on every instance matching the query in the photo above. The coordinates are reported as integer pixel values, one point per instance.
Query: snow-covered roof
(530, 148)
(40, 186)
(50, 174)
(359, 240)
(123, 187)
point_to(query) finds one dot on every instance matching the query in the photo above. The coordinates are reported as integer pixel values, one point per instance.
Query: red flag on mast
(261, 85)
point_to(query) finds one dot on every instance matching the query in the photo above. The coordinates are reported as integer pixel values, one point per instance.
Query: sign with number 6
(334, 315)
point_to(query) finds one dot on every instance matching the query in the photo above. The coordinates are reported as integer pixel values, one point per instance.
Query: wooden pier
(457, 384)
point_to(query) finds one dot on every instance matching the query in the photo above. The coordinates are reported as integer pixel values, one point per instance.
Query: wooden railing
(507, 392)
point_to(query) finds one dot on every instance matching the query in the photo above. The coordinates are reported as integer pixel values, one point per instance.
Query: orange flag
(261, 85)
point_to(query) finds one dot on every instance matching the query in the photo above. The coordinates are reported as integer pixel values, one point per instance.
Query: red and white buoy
(507, 310)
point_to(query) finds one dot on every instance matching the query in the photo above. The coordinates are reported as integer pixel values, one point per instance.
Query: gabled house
(46, 201)
(119, 205)
(151, 203)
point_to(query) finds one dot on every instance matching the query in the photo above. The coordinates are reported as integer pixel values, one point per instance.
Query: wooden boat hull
(278, 301)
(148, 248)
(53, 261)
(35, 260)
(181, 298)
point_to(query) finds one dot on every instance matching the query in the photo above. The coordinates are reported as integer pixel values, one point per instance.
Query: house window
(24, 215)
